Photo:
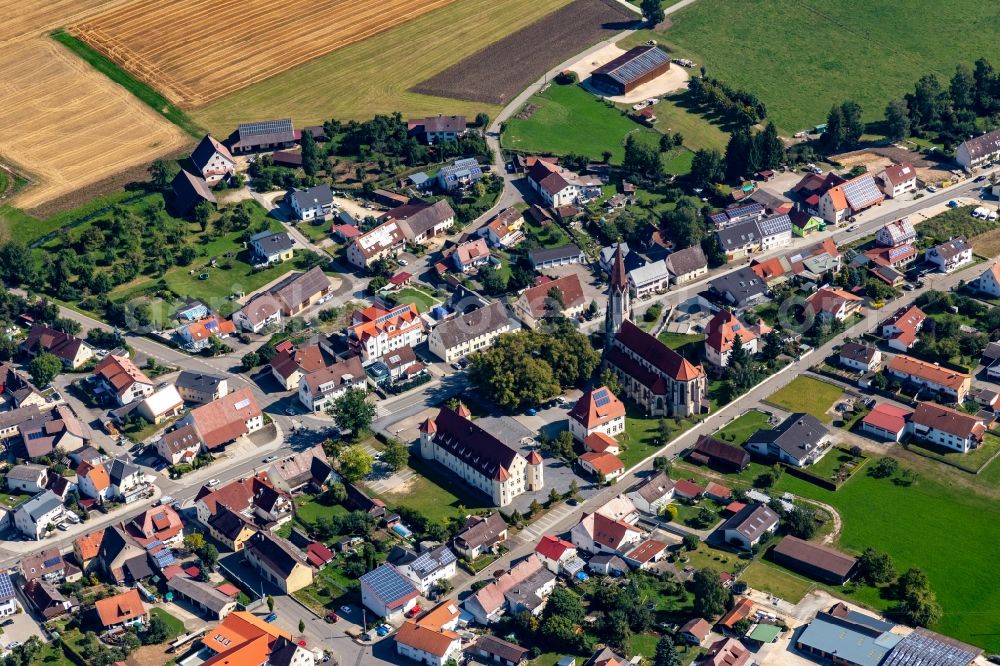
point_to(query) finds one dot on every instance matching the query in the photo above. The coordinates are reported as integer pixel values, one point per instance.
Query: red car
(332, 617)
(415, 611)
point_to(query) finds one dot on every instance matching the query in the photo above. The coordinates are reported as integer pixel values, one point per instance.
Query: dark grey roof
(859, 353)
(299, 287)
(198, 381)
(227, 522)
(479, 531)
(276, 554)
(18, 416)
(206, 148)
(320, 195)
(181, 439)
(41, 504)
(798, 435)
(265, 132)
(202, 593)
(505, 650)
(188, 190)
(431, 561)
(686, 261)
(273, 242)
(465, 327)
(740, 287)
(547, 254)
(739, 235)
(282, 652)
(752, 520)
(952, 248)
(471, 444)
(984, 144)
(119, 468)
(655, 487)
(852, 643)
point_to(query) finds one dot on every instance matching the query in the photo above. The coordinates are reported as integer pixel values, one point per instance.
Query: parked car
(270, 459)
(332, 617)
(952, 204)
(212, 483)
(271, 618)
(931, 188)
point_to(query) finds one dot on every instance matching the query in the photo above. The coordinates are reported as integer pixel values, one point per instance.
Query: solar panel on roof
(602, 398)
(743, 211)
(52, 561)
(899, 251)
(6, 587)
(639, 65)
(861, 192)
(265, 127)
(388, 584)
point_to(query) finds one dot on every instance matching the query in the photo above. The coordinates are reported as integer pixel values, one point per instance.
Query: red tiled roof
(887, 417)
(687, 488)
(553, 548)
(590, 414)
(605, 463)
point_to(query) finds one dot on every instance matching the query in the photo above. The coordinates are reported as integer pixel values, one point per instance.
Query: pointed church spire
(619, 278)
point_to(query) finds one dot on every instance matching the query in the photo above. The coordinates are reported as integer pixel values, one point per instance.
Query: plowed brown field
(62, 123)
(195, 51)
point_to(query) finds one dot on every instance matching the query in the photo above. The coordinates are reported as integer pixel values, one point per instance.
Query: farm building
(263, 135)
(630, 70)
(816, 561)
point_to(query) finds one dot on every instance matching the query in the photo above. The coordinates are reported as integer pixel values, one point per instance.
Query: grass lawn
(705, 557)
(832, 461)
(971, 461)
(739, 429)
(423, 299)
(781, 583)
(12, 500)
(19, 226)
(954, 222)
(434, 493)
(308, 510)
(568, 119)
(549, 235)
(698, 132)
(868, 52)
(679, 341)
(325, 593)
(175, 626)
(374, 75)
(644, 644)
(806, 394)
(314, 232)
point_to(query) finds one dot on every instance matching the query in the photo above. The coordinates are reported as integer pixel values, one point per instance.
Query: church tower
(619, 300)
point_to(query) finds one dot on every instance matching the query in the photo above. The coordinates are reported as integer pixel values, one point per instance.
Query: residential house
(459, 175)
(686, 489)
(548, 298)
(320, 389)
(479, 458)
(721, 333)
(814, 560)
(695, 631)
(212, 160)
(604, 465)
(435, 129)
(902, 328)
(597, 533)
(188, 191)
(687, 264)
(946, 427)
(597, 410)
(606, 657)
(300, 291)
(557, 186)
(162, 404)
(480, 534)
(231, 528)
(498, 651)
(749, 525)
(504, 230)
(652, 278)
(949, 256)
(751, 236)
(71, 350)
(775, 270)
(48, 601)
(862, 358)
(253, 497)
(850, 198)
(896, 233)
(93, 480)
(886, 422)
(226, 419)
(741, 288)
(724, 457)
(470, 255)
(465, 333)
(127, 481)
(121, 558)
(419, 221)
(198, 334)
(262, 311)
(277, 562)
(27, 478)
(898, 179)
(426, 645)
(630, 260)
(524, 587)
(727, 652)
(45, 565)
(34, 518)
(205, 597)
(736, 214)
(646, 554)
(977, 151)
(659, 379)
(800, 440)
(42, 432)
(157, 524)
(402, 364)
(608, 565)
(428, 568)
(988, 282)
(598, 442)
(315, 203)
(295, 472)
(179, 446)
(19, 389)
(556, 553)
(898, 257)
(243, 638)
(951, 384)
(289, 366)
(848, 638)
(120, 377)
(387, 592)
(382, 242)
(121, 611)
(376, 331)
(833, 304)
(654, 493)
(272, 247)
(550, 257)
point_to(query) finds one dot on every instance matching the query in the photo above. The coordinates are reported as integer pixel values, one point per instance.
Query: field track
(206, 50)
(65, 125)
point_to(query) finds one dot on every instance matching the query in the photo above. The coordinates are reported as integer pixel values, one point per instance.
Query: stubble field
(65, 125)
(206, 50)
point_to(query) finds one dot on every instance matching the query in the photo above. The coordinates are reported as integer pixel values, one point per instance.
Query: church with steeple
(652, 375)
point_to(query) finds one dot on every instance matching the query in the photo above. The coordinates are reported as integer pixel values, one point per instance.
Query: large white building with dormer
(478, 458)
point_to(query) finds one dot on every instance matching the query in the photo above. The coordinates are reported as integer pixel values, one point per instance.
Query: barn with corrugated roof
(630, 70)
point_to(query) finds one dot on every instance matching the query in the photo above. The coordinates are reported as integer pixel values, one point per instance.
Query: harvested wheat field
(66, 125)
(205, 50)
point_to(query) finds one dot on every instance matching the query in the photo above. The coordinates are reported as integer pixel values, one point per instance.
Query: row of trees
(746, 154)
(740, 106)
